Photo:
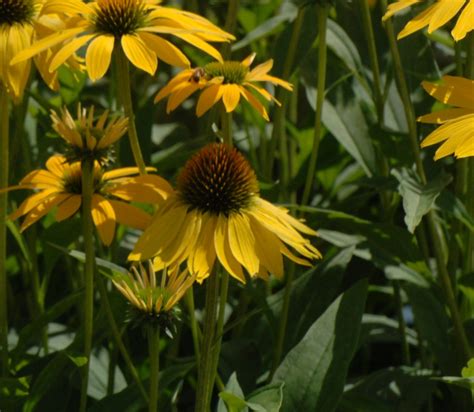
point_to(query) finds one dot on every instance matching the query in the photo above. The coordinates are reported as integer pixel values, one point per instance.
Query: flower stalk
(470, 164)
(227, 127)
(322, 11)
(154, 353)
(88, 234)
(435, 233)
(123, 79)
(282, 96)
(118, 339)
(4, 166)
(206, 373)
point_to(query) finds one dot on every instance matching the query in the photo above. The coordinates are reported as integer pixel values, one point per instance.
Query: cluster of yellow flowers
(215, 213)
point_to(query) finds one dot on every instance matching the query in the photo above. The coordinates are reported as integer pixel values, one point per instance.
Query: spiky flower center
(72, 179)
(232, 72)
(218, 180)
(16, 11)
(120, 17)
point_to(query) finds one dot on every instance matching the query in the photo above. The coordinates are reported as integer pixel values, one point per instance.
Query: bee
(197, 75)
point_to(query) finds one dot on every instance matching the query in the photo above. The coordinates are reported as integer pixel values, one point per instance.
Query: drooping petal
(68, 207)
(129, 215)
(445, 10)
(181, 78)
(32, 201)
(455, 91)
(418, 22)
(465, 22)
(224, 252)
(443, 116)
(209, 96)
(230, 96)
(104, 219)
(242, 242)
(165, 50)
(139, 53)
(41, 210)
(46, 43)
(68, 50)
(98, 56)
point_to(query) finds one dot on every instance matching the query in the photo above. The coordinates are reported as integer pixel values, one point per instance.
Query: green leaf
(418, 199)
(342, 46)
(268, 398)
(449, 203)
(233, 396)
(432, 323)
(340, 122)
(314, 371)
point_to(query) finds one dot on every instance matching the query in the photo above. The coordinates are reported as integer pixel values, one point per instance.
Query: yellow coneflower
(153, 298)
(60, 185)
(88, 138)
(222, 80)
(133, 25)
(435, 16)
(19, 24)
(217, 212)
(457, 124)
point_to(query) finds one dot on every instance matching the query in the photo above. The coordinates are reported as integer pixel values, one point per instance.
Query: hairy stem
(4, 166)
(123, 77)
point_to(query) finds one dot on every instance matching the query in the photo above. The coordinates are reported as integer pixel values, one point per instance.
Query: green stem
(373, 57)
(189, 300)
(280, 343)
(88, 234)
(224, 288)
(230, 25)
(123, 76)
(227, 127)
(322, 66)
(4, 166)
(282, 96)
(401, 323)
(154, 353)
(104, 298)
(435, 231)
(206, 376)
(470, 165)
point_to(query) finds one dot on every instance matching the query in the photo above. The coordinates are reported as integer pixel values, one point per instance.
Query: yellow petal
(146, 189)
(103, 216)
(455, 91)
(230, 96)
(165, 50)
(242, 242)
(267, 247)
(41, 210)
(223, 251)
(32, 201)
(210, 96)
(179, 96)
(394, 8)
(177, 81)
(445, 10)
(98, 56)
(68, 207)
(418, 22)
(465, 22)
(204, 256)
(66, 6)
(248, 60)
(46, 43)
(68, 50)
(255, 103)
(443, 116)
(200, 44)
(139, 53)
(129, 215)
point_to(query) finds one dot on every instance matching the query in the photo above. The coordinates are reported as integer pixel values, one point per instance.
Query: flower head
(61, 185)
(134, 25)
(222, 80)
(457, 123)
(19, 24)
(217, 212)
(154, 300)
(87, 137)
(436, 15)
